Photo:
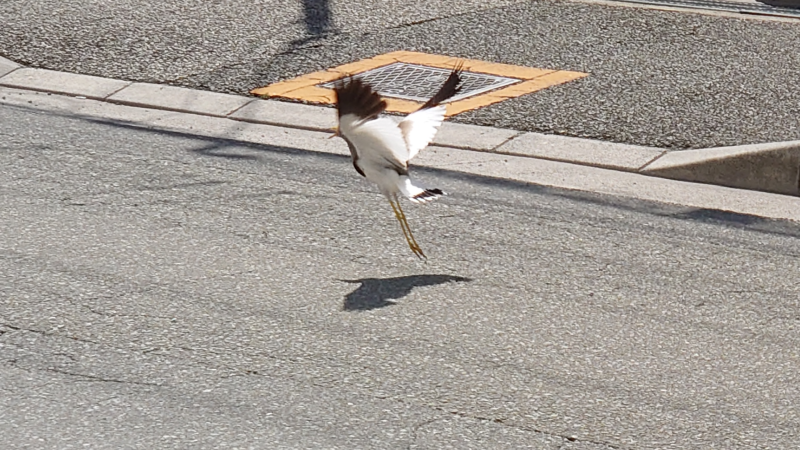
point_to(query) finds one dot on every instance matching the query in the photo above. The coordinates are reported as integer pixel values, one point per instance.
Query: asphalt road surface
(160, 290)
(657, 78)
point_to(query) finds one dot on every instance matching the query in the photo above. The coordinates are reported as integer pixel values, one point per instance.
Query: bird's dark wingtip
(354, 96)
(449, 89)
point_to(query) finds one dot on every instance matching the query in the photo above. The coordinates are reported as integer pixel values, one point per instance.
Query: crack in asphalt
(95, 378)
(419, 425)
(497, 420)
(83, 376)
(113, 314)
(48, 334)
(532, 429)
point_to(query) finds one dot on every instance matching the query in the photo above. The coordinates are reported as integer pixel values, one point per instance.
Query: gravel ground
(658, 78)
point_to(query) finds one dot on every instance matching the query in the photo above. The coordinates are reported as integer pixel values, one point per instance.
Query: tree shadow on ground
(317, 19)
(379, 292)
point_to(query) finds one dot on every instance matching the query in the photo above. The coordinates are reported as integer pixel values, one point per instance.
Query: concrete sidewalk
(567, 162)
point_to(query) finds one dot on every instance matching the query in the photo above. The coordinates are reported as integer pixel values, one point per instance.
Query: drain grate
(730, 6)
(419, 83)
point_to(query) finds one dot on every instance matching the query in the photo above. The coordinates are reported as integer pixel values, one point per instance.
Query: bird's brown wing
(353, 96)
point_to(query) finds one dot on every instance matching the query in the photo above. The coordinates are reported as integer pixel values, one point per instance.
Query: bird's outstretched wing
(420, 127)
(353, 96)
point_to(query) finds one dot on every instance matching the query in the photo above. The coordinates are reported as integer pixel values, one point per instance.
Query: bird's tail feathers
(427, 195)
(417, 194)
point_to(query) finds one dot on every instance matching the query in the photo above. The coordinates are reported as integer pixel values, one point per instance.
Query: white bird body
(381, 147)
(391, 145)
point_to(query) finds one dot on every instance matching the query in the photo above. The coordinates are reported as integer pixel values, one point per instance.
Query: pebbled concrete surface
(154, 40)
(165, 290)
(658, 78)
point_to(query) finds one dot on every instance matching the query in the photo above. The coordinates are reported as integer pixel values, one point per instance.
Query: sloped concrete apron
(773, 167)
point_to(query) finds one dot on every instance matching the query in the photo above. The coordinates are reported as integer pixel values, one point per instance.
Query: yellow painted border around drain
(305, 87)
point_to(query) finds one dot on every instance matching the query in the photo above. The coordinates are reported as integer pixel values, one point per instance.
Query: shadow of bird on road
(379, 292)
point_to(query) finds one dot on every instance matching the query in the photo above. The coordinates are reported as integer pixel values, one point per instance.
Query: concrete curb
(773, 167)
(63, 83)
(588, 152)
(180, 99)
(292, 115)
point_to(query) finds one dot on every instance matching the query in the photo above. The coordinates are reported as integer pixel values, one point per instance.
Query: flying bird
(381, 147)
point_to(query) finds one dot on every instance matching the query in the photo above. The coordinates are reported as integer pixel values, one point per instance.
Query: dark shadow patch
(716, 216)
(217, 149)
(317, 16)
(379, 292)
(317, 21)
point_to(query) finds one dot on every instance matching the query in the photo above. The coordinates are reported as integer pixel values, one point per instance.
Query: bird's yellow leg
(408, 228)
(401, 217)
(403, 224)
